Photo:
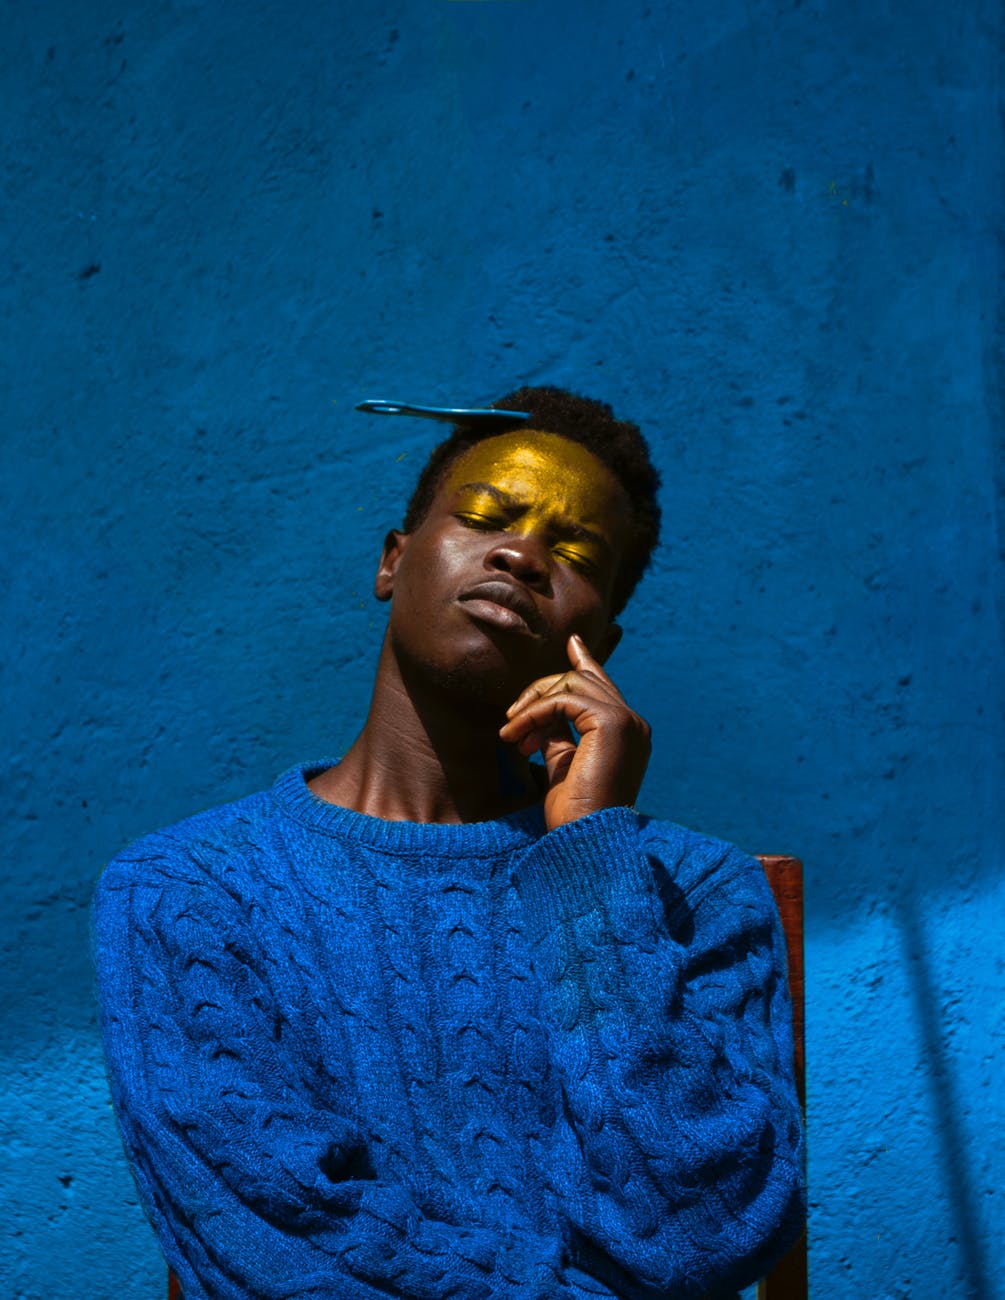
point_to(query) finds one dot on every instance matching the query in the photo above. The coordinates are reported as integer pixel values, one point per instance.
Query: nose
(525, 557)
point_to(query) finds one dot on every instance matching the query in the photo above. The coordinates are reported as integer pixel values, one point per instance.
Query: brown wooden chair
(789, 1279)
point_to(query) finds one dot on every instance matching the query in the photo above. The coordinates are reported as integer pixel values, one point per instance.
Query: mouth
(504, 606)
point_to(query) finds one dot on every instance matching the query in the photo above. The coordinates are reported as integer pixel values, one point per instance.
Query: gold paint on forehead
(548, 471)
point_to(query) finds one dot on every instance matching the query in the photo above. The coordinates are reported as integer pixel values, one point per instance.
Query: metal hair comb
(449, 414)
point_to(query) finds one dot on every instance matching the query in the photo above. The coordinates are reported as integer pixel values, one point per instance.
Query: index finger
(581, 658)
(539, 687)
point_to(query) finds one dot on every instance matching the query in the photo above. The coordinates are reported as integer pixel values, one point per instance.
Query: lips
(515, 599)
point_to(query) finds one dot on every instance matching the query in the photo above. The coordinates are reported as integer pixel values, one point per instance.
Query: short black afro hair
(617, 443)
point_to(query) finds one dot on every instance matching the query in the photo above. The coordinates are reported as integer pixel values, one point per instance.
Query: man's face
(534, 512)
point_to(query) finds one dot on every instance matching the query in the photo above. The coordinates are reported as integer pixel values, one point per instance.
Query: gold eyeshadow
(478, 504)
(485, 511)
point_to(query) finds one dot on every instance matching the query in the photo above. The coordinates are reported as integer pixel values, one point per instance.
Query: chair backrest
(789, 1279)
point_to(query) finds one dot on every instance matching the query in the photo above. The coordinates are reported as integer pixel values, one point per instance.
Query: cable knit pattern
(354, 1059)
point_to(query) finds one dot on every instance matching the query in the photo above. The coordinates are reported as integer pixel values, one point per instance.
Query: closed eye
(579, 562)
(482, 521)
(493, 523)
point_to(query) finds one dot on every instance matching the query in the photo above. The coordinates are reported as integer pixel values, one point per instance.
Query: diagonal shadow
(951, 1137)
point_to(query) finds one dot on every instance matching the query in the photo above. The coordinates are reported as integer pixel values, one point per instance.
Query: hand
(607, 766)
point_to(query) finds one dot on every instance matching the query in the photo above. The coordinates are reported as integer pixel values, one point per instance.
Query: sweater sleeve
(255, 1187)
(679, 1162)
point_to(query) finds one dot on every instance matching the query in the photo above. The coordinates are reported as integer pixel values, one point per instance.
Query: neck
(423, 758)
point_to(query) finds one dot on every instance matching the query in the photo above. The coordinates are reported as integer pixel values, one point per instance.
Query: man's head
(618, 444)
(559, 521)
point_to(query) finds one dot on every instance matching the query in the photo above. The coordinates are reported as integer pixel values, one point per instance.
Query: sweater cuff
(580, 867)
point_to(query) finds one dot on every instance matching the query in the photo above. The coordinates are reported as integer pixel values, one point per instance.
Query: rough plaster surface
(767, 231)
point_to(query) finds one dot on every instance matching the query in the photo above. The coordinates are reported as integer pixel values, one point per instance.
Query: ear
(394, 549)
(608, 642)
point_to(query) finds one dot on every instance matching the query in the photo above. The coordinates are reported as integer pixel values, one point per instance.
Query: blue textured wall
(766, 230)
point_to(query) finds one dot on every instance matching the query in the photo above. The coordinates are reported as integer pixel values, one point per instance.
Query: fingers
(572, 683)
(587, 675)
(533, 692)
(577, 651)
(551, 714)
(601, 768)
(557, 745)
(554, 740)
(540, 714)
(559, 755)
(581, 658)
(548, 730)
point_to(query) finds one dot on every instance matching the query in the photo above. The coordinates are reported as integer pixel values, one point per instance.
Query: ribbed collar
(431, 839)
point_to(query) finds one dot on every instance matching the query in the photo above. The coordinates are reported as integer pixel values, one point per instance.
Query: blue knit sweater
(354, 1058)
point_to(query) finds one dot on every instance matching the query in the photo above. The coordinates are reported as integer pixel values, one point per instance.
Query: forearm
(679, 1158)
(254, 1188)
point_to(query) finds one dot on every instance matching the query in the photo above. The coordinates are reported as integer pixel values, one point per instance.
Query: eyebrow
(504, 499)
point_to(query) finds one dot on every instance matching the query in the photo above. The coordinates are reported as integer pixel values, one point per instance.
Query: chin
(483, 675)
(491, 681)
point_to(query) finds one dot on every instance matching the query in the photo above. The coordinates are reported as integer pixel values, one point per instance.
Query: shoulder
(195, 851)
(718, 902)
(701, 865)
(179, 898)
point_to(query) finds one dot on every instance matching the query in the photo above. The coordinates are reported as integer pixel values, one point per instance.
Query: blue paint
(767, 231)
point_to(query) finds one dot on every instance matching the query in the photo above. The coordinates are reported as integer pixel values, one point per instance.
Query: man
(436, 1020)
